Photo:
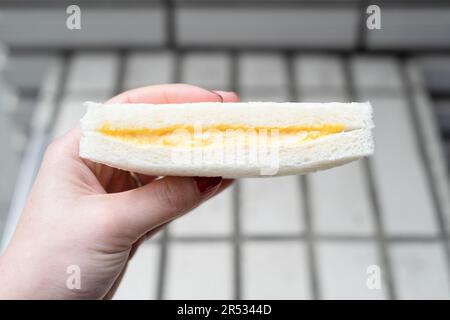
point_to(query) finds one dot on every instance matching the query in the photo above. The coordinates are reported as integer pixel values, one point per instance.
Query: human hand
(94, 217)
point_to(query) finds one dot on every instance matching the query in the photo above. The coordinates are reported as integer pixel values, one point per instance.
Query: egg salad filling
(203, 136)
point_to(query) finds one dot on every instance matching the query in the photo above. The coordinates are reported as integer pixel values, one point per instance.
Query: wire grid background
(308, 237)
(272, 238)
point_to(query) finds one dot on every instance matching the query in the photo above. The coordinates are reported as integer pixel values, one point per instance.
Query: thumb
(145, 208)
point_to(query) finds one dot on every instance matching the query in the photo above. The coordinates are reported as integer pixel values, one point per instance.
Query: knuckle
(52, 151)
(175, 198)
(108, 221)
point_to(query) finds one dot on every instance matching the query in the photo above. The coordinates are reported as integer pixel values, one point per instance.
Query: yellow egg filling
(202, 136)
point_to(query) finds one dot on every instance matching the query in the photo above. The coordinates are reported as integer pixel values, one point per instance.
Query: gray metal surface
(318, 24)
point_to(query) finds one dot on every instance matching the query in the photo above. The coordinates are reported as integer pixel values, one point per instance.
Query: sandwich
(232, 140)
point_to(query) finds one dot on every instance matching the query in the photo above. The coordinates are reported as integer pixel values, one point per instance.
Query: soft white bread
(330, 134)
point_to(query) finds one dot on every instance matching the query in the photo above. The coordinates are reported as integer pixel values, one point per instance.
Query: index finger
(173, 93)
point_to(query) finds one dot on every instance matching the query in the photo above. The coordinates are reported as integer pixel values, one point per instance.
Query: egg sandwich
(244, 139)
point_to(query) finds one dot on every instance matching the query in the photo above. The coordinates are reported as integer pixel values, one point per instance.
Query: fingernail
(217, 94)
(206, 184)
(222, 93)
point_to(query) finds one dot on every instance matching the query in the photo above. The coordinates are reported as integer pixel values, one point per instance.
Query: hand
(94, 217)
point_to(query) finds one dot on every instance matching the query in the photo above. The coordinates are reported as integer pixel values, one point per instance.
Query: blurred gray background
(308, 237)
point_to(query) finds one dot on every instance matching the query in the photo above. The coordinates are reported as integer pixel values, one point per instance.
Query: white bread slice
(355, 140)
